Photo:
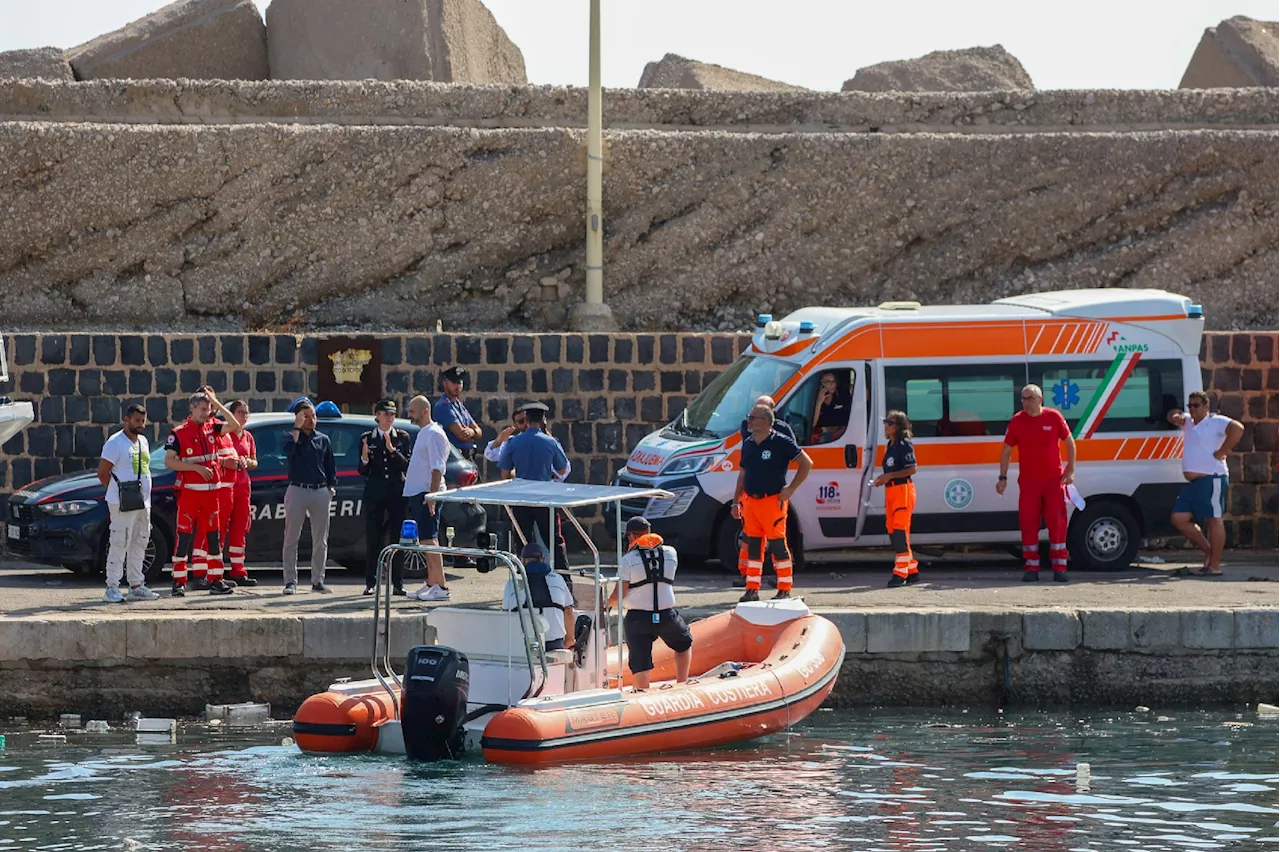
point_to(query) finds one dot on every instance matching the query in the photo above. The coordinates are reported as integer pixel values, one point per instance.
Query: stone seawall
(217, 206)
(174, 665)
(605, 391)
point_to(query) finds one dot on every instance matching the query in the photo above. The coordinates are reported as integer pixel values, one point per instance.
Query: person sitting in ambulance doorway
(551, 597)
(831, 408)
(645, 577)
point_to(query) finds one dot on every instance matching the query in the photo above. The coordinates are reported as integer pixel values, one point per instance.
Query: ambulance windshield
(719, 410)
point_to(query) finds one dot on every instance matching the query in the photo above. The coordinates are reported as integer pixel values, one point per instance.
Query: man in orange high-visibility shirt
(1036, 431)
(761, 498)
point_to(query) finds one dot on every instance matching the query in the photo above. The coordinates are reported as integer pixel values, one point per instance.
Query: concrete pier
(969, 635)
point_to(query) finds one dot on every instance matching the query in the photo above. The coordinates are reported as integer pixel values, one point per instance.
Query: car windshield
(718, 411)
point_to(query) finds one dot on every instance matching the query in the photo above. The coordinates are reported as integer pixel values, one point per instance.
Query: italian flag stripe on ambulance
(1117, 374)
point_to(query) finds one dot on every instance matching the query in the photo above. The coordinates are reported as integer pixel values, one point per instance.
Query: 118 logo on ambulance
(828, 498)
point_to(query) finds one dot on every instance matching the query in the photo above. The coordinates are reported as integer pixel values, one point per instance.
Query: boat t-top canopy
(544, 495)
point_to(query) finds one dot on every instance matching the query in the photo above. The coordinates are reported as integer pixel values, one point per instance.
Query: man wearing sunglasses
(1036, 431)
(1206, 440)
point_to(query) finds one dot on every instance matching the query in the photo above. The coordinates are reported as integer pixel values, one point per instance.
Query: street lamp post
(593, 314)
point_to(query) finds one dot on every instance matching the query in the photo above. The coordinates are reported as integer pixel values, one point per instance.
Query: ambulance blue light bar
(763, 319)
(1195, 312)
(806, 327)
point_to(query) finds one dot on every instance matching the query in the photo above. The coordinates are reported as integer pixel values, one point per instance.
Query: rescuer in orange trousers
(899, 496)
(761, 498)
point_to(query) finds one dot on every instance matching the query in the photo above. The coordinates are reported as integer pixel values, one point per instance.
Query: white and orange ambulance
(1113, 361)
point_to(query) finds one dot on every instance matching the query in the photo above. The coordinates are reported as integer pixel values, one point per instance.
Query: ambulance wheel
(795, 543)
(1104, 536)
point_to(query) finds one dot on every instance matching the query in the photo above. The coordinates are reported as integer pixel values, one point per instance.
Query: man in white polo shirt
(1206, 440)
(126, 462)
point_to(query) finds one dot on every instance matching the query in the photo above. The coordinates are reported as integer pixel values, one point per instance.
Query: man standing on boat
(761, 498)
(535, 455)
(1206, 440)
(645, 577)
(1036, 431)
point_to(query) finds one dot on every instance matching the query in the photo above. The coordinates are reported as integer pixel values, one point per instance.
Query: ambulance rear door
(830, 507)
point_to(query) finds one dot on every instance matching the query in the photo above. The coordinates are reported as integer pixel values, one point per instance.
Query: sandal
(1205, 572)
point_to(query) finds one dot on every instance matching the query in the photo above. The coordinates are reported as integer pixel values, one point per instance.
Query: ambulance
(1112, 361)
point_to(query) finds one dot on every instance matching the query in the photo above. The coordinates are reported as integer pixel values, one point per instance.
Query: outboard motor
(433, 703)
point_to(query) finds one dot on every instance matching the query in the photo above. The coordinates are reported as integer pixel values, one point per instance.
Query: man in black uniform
(384, 457)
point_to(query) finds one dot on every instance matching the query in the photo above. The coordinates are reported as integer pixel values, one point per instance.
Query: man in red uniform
(1036, 432)
(192, 451)
(237, 520)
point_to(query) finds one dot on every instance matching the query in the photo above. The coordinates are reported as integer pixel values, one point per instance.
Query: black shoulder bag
(131, 499)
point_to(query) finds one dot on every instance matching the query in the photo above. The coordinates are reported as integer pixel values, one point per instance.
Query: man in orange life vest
(192, 450)
(761, 498)
(1036, 431)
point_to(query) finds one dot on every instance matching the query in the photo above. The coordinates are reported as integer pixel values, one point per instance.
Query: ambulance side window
(949, 401)
(1139, 405)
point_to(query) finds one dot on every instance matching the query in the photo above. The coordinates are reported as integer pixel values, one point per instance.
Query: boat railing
(380, 661)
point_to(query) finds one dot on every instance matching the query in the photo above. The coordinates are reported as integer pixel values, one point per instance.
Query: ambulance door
(829, 507)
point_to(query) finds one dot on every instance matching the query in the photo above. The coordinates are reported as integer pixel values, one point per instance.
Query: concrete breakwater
(174, 665)
(235, 206)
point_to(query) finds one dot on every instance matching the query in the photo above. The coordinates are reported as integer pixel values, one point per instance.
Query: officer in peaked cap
(533, 454)
(384, 458)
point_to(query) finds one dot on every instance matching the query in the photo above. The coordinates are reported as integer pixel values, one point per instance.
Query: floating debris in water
(1268, 710)
(287, 741)
(53, 738)
(96, 726)
(238, 715)
(1142, 708)
(69, 720)
(156, 726)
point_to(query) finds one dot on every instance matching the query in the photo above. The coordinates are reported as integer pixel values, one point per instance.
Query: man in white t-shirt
(551, 597)
(125, 460)
(1206, 440)
(424, 477)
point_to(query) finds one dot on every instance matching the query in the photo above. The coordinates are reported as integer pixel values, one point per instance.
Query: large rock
(199, 39)
(46, 63)
(676, 72)
(1238, 52)
(448, 41)
(977, 69)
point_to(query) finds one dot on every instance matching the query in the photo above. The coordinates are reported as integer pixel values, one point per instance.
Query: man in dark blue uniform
(762, 496)
(384, 457)
(453, 416)
(534, 454)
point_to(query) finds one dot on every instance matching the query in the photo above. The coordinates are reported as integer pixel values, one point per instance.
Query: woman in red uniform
(239, 516)
(899, 496)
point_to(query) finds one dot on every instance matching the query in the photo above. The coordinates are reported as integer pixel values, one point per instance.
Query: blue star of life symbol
(1066, 394)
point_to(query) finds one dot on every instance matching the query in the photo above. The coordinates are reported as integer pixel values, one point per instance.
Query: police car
(63, 520)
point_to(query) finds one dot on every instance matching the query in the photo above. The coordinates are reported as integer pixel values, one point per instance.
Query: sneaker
(141, 593)
(749, 596)
(399, 592)
(1060, 577)
(897, 581)
(912, 579)
(422, 590)
(199, 584)
(320, 588)
(244, 580)
(435, 593)
(179, 590)
(1031, 576)
(220, 587)
(226, 581)
(112, 595)
(290, 588)
(740, 583)
(782, 595)
(368, 590)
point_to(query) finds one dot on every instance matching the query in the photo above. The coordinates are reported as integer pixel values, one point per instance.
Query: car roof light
(763, 319)
(328, 409)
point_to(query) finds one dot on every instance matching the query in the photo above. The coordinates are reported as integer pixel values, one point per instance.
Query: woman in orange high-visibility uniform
(899, 496)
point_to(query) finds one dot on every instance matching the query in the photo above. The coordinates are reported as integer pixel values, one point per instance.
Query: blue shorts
(428, 523)
(1205, 497)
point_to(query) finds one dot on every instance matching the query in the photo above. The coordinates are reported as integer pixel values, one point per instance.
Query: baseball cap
(532, 552)
(638, 524)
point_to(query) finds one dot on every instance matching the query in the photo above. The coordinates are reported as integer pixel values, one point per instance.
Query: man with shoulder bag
(126, 472)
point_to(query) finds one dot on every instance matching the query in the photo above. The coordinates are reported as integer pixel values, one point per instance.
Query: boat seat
(769, 613)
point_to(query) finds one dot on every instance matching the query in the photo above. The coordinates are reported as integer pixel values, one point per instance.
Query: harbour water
(866, 780)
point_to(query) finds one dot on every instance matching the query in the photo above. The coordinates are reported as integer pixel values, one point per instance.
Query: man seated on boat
(551, 597)
(645, 578)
